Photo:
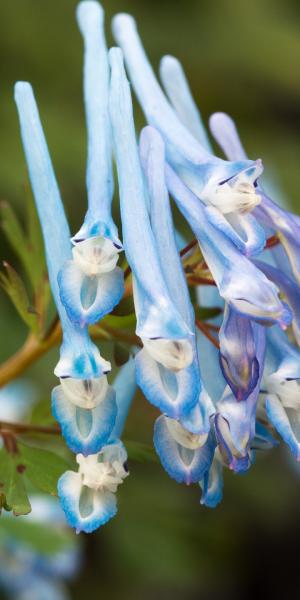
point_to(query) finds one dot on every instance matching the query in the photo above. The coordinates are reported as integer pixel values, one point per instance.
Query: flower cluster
(223, 384)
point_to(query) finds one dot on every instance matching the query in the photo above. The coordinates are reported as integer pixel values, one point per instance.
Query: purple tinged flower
(235, 420)
(240, 283)
(286, 225)
(212, 483)
(225, 186)
(91, 284)
(238, 359)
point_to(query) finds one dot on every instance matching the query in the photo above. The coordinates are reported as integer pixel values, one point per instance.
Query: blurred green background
(243, 58)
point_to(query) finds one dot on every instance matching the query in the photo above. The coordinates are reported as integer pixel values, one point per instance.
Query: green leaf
(116, 322)
(43, 468)
(12, 484)
(16, 236)
(43, 539)
(140, 452)
(204, 313)
(35, 242)
(13, 285)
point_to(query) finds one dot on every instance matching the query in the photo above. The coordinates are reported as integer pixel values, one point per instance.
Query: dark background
(241, 57)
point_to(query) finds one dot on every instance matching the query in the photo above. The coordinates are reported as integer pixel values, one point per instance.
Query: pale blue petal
(125, 388)
(183, 465)
(179, 93)
(78, 356)
(173, 393)
(225, 133)
(198, 419)
(85, 430)
(212, 485)
(263, 439)
(89, 299)
(184, 152)
(243, 230)
(290, 289)
(283, 356)
(284, 223)
(85, 509)
(213, 379)
(239, 282)
(99, 175)
(286, 422)
(156, 314)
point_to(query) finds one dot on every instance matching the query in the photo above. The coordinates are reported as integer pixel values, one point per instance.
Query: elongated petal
(198, 419)
(238, 359)
(284, 223)
(173, 393)
(225, 133)
(179, 93)
(240, 283)
(263, 439)
(190, 159)
(125, 388)
(283, 356)
(85, 509)
(78, 356)
(156, 314)
(243, 230)
(235, 426)
(286, 421)
(182, 464)
(212, 485)
(89, 299)
(99, 176)
(85, 430)
(290, 289)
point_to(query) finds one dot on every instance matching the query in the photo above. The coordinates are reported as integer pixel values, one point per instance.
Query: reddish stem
(187, 248)
(203, 327)
(272, 241)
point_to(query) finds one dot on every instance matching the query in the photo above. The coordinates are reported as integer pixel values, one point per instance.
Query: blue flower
(240, 283)
(79, 357)
(225, 186)
(88, 497)
(91, 284)
(286, 225)
(238, 359)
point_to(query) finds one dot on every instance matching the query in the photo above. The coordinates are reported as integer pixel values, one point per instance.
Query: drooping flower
(285, 224)
(231, 271)
(88, 497)
(227, 187)
(159, 324)
(91, 284)
(80, 359)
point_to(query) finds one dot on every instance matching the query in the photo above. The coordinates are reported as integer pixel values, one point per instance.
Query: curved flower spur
(91, 284)
(226, 187)
(191, 430)
(163, 330)
(88, 497)
(83, 404)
